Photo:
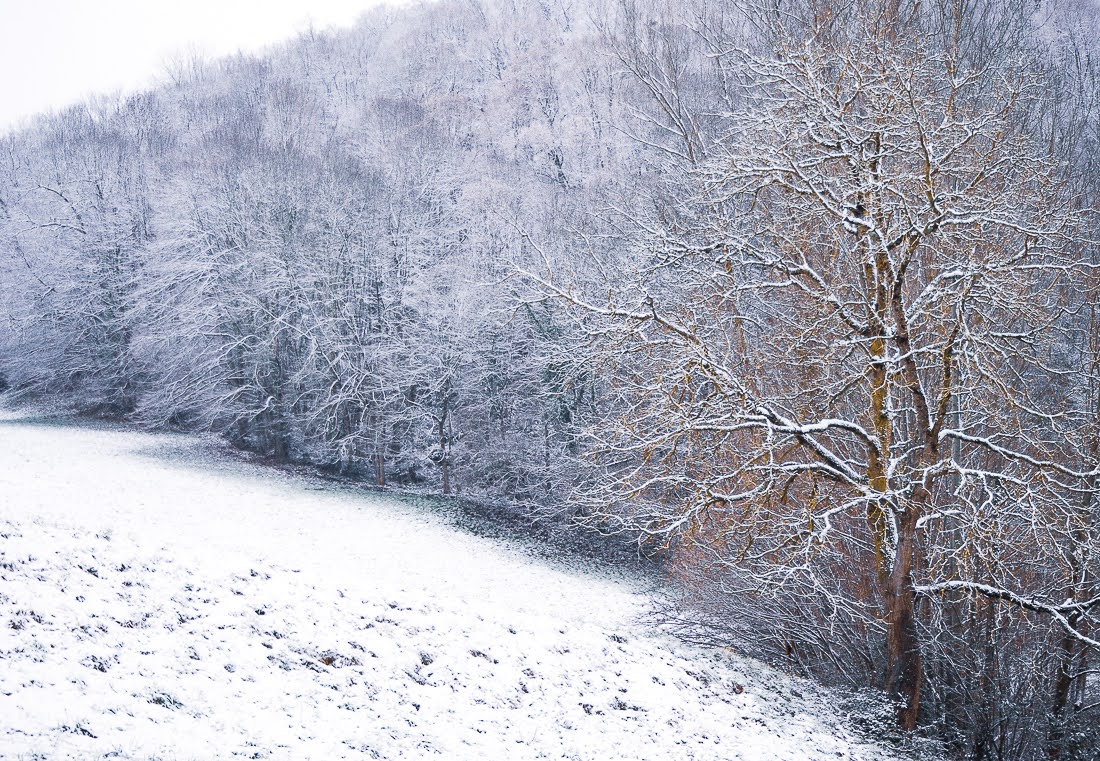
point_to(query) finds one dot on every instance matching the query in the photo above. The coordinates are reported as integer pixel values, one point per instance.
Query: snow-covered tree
(844, 362)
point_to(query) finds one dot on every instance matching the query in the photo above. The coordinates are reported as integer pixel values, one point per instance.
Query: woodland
(801, 297)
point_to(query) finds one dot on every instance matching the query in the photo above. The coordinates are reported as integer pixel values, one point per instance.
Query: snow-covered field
(158, 600)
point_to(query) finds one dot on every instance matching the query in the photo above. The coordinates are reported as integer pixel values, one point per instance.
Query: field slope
(158, 600)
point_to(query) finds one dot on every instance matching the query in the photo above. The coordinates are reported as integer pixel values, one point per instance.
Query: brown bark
(904, 667)
(379, 469)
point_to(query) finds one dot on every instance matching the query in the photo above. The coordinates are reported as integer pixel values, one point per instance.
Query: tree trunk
(280, 451)
(1063, 684)
(446, 467)
(445, 441)
(379, 469)
(1071, 658)
(904, 669)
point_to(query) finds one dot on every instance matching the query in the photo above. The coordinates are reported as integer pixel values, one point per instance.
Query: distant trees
(76, 214)
(309, 251)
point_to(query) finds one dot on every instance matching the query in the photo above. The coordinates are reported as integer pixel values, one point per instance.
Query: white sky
(57, 52)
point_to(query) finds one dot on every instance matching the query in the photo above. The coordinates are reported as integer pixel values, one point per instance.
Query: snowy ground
(160, 601)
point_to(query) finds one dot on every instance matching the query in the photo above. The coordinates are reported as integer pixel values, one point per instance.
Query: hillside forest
(800, 297)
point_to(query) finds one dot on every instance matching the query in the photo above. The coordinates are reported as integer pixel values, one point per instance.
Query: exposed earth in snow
(158, 600)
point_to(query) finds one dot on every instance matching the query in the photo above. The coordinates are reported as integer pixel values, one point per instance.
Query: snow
(160, 600)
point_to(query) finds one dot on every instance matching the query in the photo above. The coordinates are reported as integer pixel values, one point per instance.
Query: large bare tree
(844, 365)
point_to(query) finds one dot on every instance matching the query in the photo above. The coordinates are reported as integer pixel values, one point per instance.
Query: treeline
(803, 295)
(310, 250)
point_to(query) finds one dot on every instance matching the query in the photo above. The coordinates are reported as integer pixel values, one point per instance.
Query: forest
(802, 297)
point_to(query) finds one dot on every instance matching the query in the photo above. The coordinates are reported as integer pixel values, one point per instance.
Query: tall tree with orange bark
(843, 364)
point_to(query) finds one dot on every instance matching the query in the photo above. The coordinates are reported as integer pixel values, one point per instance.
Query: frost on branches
(852, 371)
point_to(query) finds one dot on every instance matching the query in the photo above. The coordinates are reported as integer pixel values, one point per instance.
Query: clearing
(160, 600)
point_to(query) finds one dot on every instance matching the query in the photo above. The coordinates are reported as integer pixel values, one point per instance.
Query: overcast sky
(57, 52)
